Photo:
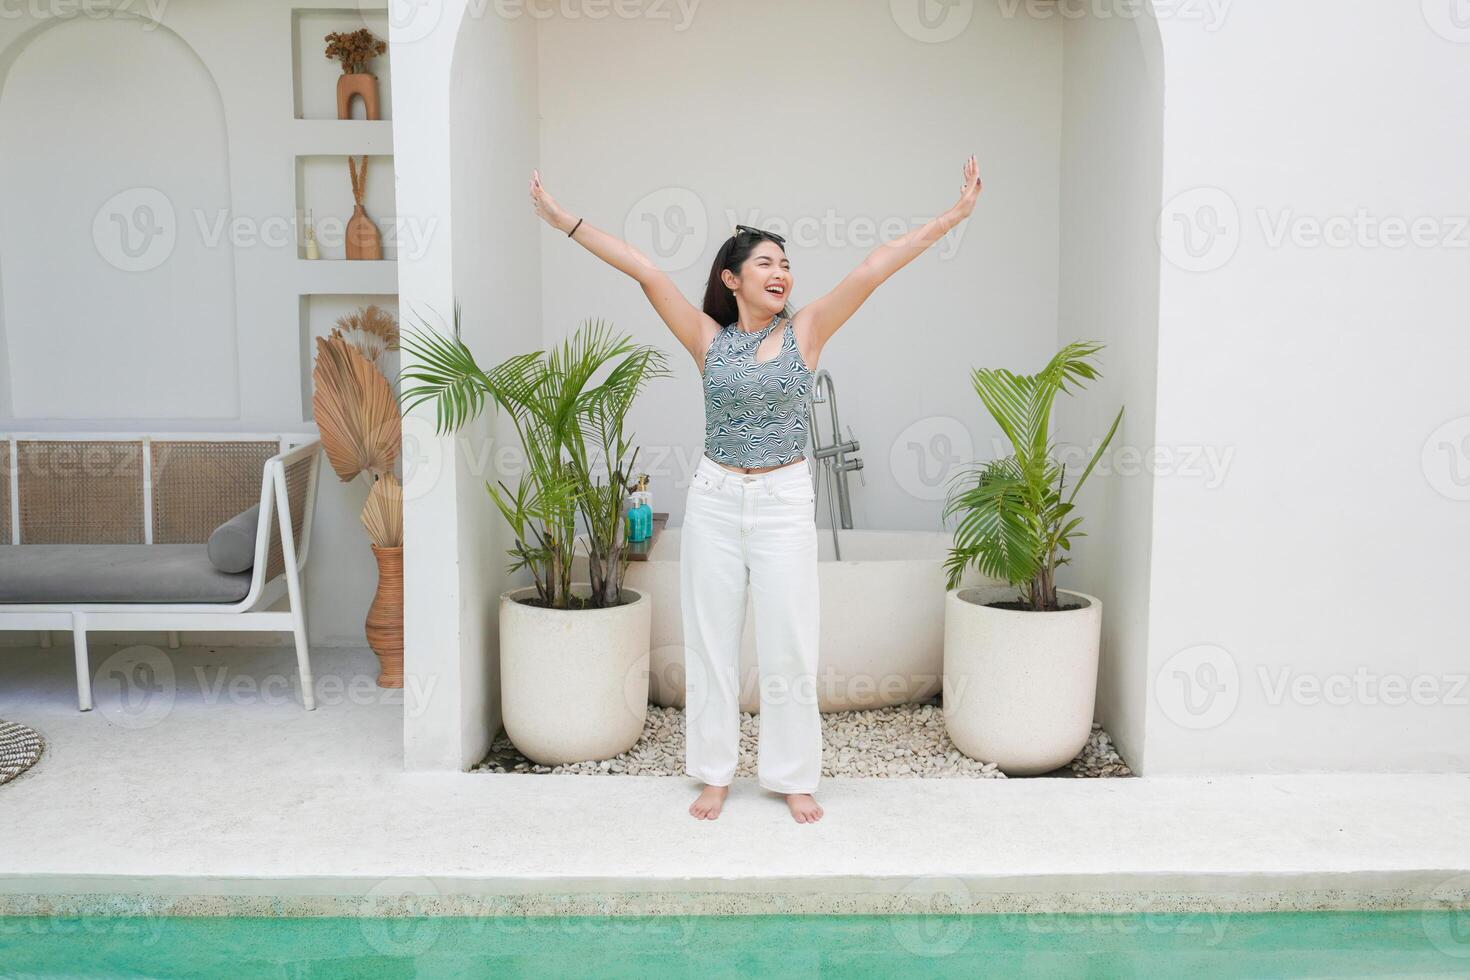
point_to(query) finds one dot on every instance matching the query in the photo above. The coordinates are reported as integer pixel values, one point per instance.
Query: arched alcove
(842, 127)
(116, 264)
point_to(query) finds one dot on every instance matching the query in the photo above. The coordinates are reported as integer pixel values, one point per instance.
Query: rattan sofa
(108, 532)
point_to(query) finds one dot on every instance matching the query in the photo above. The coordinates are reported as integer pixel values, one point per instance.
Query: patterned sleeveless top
(755, 412)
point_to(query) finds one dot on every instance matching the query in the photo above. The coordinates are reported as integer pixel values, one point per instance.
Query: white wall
(152, 298)
(197, 110)
(497, 276)
(1109, 289)
(5, 410)
(1334, 547)
(823, 120)
(455, 547)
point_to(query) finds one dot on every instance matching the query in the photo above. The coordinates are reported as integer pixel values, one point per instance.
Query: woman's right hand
(545, 205)
(970, 189)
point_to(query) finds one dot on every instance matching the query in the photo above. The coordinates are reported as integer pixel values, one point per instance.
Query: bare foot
(707, 805)
(803, 808)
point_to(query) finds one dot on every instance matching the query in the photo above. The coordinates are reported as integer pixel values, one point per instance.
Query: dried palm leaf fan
(357, 416)
(383, 514)
(370, 330)
(356, 412)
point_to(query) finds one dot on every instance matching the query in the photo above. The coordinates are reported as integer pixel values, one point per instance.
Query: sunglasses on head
(748, 230)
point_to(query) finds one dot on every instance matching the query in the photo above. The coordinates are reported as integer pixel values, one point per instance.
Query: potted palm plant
(1020, 661)
(573, 655)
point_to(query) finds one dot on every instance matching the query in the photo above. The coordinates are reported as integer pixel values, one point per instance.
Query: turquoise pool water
(1335, 944)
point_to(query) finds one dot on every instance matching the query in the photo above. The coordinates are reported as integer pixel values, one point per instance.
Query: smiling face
(764, 284)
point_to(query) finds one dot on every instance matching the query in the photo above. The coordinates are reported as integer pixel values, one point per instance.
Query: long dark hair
(719, 301)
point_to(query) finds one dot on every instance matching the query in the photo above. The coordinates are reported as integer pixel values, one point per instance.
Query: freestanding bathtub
(882, 621)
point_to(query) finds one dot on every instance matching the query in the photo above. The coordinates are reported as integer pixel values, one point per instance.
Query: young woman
(749, 519)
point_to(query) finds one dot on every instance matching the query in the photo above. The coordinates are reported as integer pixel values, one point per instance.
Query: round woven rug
(20, 747)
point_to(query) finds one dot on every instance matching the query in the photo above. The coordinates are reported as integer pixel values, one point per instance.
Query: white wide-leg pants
(756, 531)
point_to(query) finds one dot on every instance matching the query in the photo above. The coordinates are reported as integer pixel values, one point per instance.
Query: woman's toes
(803, 808)
(707, 805)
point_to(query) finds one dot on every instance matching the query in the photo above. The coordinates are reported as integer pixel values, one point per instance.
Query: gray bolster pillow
(232, 545)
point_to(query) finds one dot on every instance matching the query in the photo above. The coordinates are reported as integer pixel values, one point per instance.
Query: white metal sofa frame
(251, 613)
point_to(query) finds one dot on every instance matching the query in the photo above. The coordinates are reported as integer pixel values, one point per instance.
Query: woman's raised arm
(688, 323)
(815, 323)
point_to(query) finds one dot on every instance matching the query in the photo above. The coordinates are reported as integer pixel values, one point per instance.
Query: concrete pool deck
(236, 801)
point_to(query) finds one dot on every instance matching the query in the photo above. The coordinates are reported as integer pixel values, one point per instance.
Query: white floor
(236, 800)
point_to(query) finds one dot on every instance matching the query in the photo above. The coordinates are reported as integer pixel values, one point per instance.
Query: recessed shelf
(324, 188)
(331, 137)
(314, 76)
(319, 313)
(344, 276)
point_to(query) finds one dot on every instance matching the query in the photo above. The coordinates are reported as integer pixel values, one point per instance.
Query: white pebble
(907, 741)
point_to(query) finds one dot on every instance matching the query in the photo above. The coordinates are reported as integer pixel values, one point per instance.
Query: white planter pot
(573, 683)
(1019, 686)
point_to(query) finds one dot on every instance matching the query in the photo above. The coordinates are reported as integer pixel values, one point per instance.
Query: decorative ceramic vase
(363, 240)
(385, 616)
(357, 84)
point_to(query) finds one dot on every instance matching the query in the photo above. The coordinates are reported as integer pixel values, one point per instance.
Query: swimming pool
(1148, 945)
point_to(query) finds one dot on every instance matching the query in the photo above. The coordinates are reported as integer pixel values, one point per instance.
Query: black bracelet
(575, 227)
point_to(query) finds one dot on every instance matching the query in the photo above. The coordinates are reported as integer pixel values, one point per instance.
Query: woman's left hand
(970, 189)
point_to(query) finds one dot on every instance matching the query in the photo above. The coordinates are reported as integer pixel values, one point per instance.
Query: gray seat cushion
(75, 573)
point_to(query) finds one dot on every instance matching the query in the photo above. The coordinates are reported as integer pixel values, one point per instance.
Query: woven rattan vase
(385, 617)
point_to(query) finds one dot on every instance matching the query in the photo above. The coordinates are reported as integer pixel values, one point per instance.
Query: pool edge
(128, 895)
